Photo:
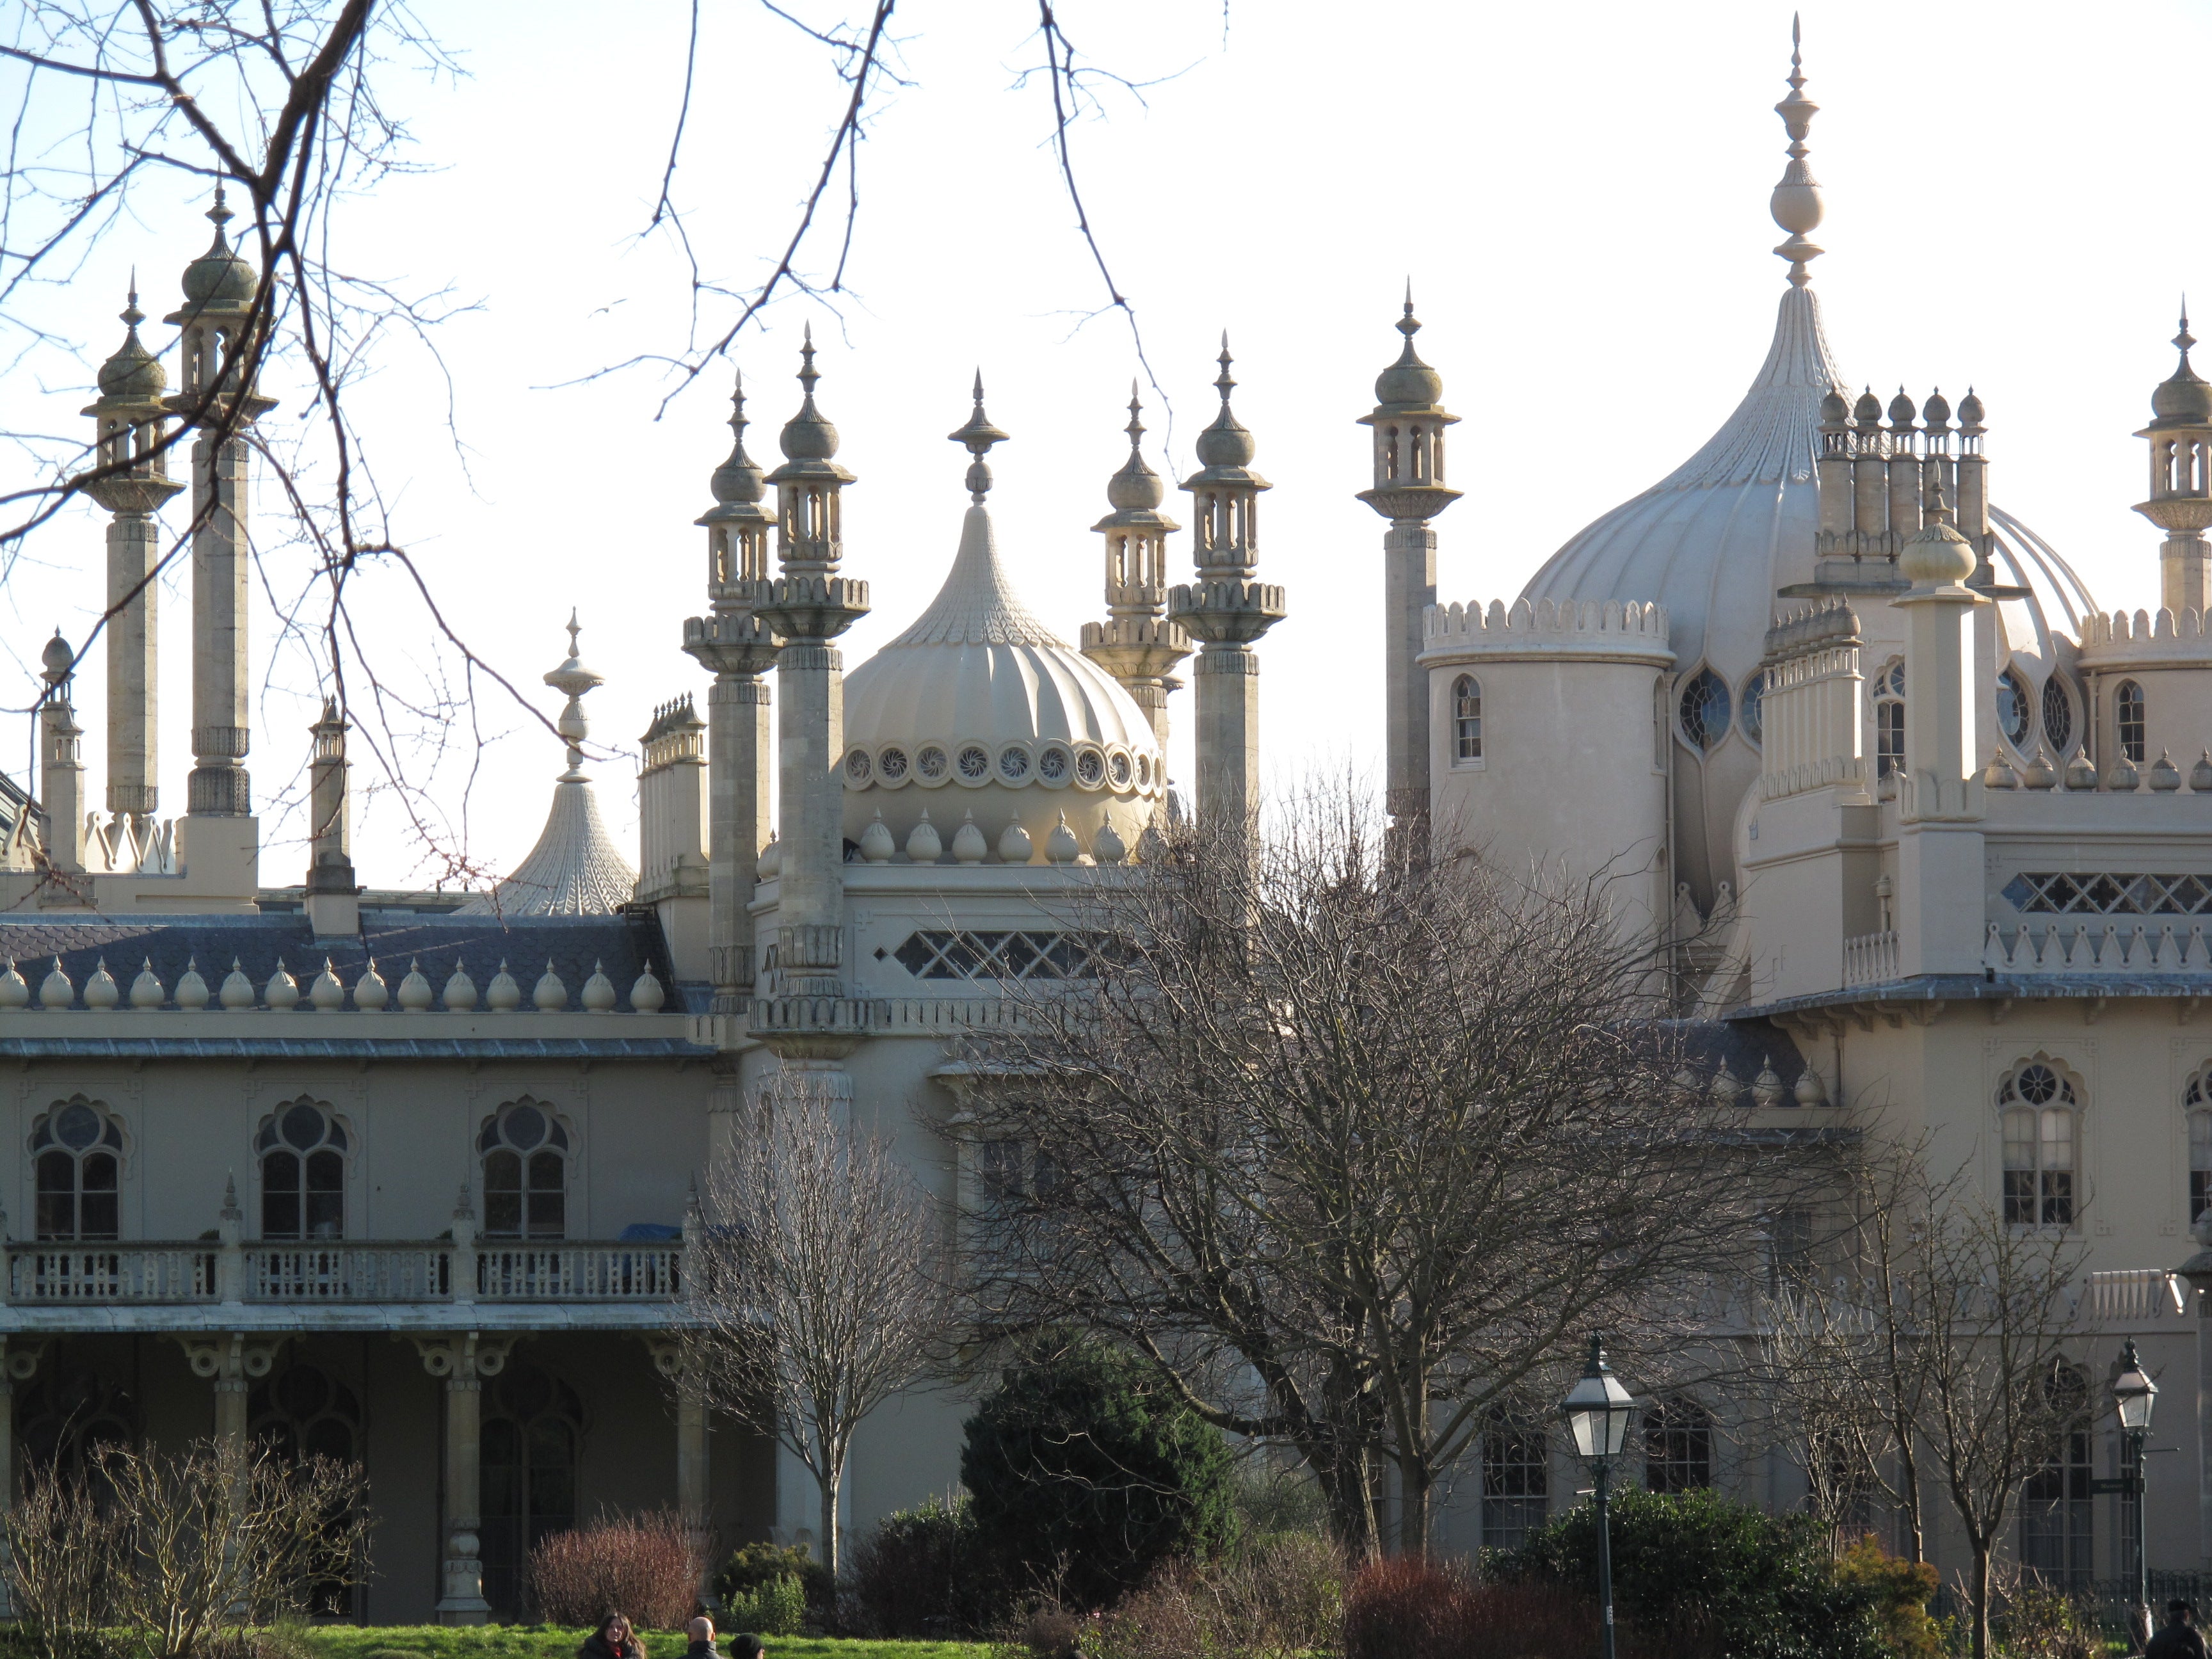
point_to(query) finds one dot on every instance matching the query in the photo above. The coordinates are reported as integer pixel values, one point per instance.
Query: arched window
(299, 1412)
(302, 1149)
(2040, 1114)
(77, 1155)
(2197, 1102)
(63, 1420)
(1705, 709)
(1678, 1445)
(1889, 721)
(526, 1172)
(1516, 1479)
(2128, 709)
(533, 1424)
(2058, 715)
(1753, 720)
(1467, 718)
(2013, 707)
(2055, 1510)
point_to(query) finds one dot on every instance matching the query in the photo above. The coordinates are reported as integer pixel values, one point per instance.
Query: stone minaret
(737, 647)
(219, 290)
(810, 605)
(2180, 504)
(1137, 644)
(1409, 490)
(333, 899)
(1229, 611)
(61, 791)
(133, 483)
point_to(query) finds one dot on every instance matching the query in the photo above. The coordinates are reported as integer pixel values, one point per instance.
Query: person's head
(2180, 1613)
(747, 1646)
(614, 1630)
(700, 1628)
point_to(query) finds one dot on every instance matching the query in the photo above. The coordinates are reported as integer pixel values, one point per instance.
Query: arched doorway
(533, 1427)
(301, 1412)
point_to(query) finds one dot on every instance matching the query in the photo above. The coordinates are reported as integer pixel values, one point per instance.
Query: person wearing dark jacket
(613, 1640)
(701, 1632)
(2180, 1638)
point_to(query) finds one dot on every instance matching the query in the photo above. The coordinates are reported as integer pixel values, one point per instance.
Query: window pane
(325, 1172)
(56, 1172)
(502, 1173)
(548, 1173)
(56, 1215)
(2020, 1140)
(503, 1215)
(2057, 1139)
(302, 1126)
(525, 1127)
(549, 1214)
(99, 1216)
(76, 1126)
(100, 1173)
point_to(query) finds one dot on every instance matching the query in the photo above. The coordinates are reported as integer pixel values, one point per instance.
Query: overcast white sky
(1579, 193)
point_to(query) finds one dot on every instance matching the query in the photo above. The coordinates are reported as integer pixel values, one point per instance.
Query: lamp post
(1597, 1409)
(2133, 1395)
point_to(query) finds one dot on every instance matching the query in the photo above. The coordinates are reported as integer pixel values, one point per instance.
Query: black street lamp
(1597, 1409)
(2133, 1395)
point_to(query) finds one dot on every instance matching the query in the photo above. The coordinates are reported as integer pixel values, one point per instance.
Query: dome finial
(1409, 383)
(132, 316)
(2183, 399)
(738, 478)
(1796, 203)
(806, 435)
(979, 435)
(573, 679)
(1226, 382)
(1136, 487)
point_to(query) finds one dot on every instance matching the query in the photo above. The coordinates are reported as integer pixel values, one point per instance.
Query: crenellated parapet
(2143, 638)
(1614, 629)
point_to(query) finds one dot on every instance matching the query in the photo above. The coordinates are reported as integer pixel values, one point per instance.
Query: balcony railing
(159, 1274)
(1870, 959)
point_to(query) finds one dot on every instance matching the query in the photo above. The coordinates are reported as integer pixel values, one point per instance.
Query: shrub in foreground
(1269, 1598)
(921, 1574)
(753, 1567)
(775, 1608)
(1409, 1608)
(1087, 1474)
(1698, 1577)
(642, 1566)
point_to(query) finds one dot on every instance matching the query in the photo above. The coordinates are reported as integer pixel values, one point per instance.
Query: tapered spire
(1796, 203)
(979, 435)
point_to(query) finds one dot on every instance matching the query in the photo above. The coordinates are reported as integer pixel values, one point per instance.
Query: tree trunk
(1344, 1487)
(832, 1476)
(1979, 1592)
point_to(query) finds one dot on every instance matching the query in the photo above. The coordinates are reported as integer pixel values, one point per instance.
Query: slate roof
(623, 945)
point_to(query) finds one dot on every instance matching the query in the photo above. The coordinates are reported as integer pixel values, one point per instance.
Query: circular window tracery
(1013, 764)
(1089, 768)
(975, 763)
(1053, 764)
(891, 763)
(1705, 709)
(932, 765)
(858, 767)
(2058, 715)
(1117, 768)
(2014, 707)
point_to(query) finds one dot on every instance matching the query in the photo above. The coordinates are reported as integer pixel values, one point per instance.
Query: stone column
(692, 1495)
(1225, 680)
(464, 1360)
(61, 787)
(19, 1363)
(1409, 588)
(134, 549)
(219, 785)
(233, 1361)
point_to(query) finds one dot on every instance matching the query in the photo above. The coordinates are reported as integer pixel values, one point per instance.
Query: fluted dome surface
(979, 706)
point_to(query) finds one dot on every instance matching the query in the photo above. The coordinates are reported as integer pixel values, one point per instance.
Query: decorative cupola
(733, 644)
(1408, 422)
(2180, 504)
(1796, 203)
(333, 899)
(574, 869)
(1229, 611)
(1137, 644)
(810, 605)
(220, 287)
(131, 479)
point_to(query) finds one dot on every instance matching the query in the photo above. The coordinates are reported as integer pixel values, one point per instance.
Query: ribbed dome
(979, 707)
(220, 279)
(133, 373)
(573, 870)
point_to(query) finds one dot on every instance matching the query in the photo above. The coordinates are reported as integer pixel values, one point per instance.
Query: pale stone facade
(408, 1176)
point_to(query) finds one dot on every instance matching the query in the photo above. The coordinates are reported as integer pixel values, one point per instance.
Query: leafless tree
(819, 1289)
(176, 1548)
(1354, 1151)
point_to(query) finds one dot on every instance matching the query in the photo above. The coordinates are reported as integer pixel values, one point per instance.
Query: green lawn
(551, 1642)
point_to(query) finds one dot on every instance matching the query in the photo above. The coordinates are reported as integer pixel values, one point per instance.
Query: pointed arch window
(2040, 1110)
(2128, 709)
(1889, 721)
(1467, 719)
(303, 1150)
(302, 1412)
(1753, 720)
(533, 1426)
(2013, 708)
(2058, 715)
(525, 1171)
(2056, 1510)
(76, 1161)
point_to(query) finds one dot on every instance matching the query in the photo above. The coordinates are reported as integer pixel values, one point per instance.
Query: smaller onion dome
(739, 479)
(1136, 488)
(220, 279)
(1936, 411)
(1834, 411)
(58, 659)
(1867, 410)
(1971, 412)
(808, 435)
(1226, 443)
(1409, 383)
(133, 374)
(1901, 410)
(2183, 399)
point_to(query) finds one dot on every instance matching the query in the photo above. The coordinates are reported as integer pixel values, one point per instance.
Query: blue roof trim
(1986, 988)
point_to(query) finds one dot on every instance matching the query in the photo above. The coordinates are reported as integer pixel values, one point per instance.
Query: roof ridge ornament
(979, 435)
(1796, 203)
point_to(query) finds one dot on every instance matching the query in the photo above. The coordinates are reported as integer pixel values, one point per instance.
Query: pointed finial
(131, 315)
(1226, 382)
(2184, 340)
(575, 629)
(807, 376)
(1136, 427)
(1796, 203)
(978, 435)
